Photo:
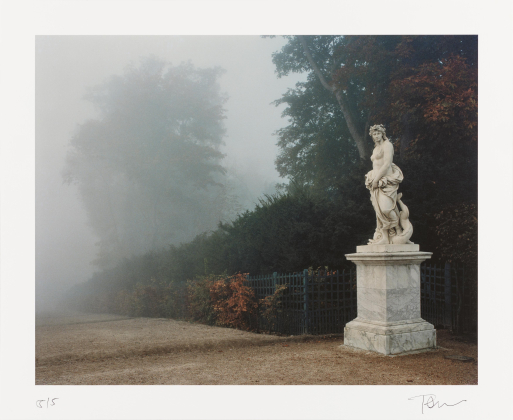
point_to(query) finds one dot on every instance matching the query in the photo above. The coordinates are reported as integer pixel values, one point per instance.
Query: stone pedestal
(388, 294)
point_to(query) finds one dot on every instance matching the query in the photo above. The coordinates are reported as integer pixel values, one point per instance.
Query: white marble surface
(388, 305)
(392, 225)
(388, 248)
(388, 295)
(389, 258)
(388, 276)
(390, 344)
(390, 327)
(403, 304)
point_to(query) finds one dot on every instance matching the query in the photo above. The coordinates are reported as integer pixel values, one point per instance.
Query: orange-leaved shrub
(234, 303)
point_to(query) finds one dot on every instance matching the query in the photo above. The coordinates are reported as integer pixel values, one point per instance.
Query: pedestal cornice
(388, 258)
(388, 248)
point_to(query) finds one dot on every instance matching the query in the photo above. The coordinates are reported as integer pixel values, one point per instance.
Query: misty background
(66, 66)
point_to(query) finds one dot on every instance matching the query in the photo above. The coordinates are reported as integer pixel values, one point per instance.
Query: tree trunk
(357, 136)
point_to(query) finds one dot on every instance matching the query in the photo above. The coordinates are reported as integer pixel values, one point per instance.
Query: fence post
(305, 283)
(448, 303)
(275, 279)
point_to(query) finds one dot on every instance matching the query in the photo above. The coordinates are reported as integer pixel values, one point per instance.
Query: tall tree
(148, 169)
(351, 117)
(316, 148)
(422, 88)
(413, 84)
(319, 56)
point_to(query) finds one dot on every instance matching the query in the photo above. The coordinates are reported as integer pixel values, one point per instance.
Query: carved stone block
(388, 295)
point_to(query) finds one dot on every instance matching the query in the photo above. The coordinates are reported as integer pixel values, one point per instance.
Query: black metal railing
(324, 302)
(448, 297)
(309, 303)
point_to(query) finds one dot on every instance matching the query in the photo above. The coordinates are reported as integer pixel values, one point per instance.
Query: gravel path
(109, 350)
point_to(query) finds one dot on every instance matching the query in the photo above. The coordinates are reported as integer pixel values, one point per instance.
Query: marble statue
(392, 224)
(388, 268)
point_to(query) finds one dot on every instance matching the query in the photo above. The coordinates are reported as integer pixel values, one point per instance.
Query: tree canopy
(149, 168)
(422, 88)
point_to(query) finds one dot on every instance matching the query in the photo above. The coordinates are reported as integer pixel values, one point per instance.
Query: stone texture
(388, 294)
(392, 216)
(388, 248)
(388, 258)
(410, 337)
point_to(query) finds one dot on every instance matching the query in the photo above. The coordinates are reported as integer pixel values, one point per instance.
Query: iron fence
(310, 303)
(448, 297)
(323, 302)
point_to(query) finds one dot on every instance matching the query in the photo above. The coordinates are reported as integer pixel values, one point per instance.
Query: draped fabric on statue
(388, 186)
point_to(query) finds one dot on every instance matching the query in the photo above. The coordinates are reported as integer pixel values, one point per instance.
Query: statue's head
(378, 128)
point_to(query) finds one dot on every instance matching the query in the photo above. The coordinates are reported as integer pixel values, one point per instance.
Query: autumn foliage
(234, 303)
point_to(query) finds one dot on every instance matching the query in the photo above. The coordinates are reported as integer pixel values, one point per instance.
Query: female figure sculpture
(392, 225)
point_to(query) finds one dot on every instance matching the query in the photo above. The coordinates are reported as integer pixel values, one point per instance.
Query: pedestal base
(395, 338)
(388, 295)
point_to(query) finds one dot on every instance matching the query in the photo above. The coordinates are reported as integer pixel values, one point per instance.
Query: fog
(67, 65)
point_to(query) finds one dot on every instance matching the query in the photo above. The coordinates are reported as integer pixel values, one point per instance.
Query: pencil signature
(429, 401)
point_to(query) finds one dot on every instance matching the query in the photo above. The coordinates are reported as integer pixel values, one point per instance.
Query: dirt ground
(78, 349)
